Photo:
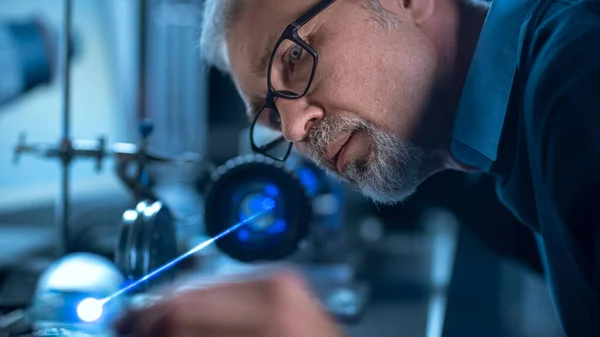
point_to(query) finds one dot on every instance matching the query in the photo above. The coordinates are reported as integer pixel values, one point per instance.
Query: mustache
(327, 130)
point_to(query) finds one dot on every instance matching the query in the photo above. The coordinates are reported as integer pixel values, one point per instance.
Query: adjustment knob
(146, 128)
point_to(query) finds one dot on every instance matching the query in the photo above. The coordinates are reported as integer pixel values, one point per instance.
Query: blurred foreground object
(28, 57)
(66, 291)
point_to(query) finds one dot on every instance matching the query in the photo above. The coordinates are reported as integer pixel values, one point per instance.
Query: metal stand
(64, 151)
(124, 155)
(67, 149)
(62, 205)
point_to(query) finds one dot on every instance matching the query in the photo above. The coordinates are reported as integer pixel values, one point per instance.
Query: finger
(233, 308)
(256, 273)
(252, 307)
(142, 321)
(244, 305)
(221, 310)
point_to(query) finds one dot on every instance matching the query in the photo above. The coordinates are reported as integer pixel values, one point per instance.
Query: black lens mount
(240, 188)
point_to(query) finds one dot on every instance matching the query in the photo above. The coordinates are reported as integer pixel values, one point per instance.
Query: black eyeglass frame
(290, 33)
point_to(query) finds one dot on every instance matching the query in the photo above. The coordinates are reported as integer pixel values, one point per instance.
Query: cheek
(384, 78)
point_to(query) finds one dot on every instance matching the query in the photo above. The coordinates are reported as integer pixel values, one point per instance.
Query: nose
(297, 117)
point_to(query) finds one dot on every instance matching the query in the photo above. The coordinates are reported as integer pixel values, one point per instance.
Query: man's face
(362, 116)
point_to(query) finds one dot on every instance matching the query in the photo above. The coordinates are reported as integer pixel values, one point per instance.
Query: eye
(296, 53)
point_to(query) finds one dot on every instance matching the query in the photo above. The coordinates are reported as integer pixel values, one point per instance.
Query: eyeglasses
(291, 71)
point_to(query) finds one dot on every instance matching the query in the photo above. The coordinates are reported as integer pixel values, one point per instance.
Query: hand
(280, 305)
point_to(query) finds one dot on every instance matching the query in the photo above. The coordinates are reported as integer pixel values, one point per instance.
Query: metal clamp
(66, 150)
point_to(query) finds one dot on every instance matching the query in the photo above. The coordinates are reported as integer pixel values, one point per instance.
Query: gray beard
(388, 176)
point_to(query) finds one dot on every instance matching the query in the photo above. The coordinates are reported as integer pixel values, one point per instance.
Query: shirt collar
(484, 100)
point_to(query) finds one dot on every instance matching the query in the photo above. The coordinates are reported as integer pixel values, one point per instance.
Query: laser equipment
(67, 150)
(66, 295)
(309, 226)
(265, 211)
(82, 293)
(146, 240)
(241, 186)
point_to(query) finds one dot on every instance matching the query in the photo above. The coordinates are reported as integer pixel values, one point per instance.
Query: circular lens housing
(246, 186)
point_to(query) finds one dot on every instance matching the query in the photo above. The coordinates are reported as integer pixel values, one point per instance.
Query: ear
(417, 11)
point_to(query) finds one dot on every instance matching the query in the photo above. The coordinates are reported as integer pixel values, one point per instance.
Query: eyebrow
(259, 66)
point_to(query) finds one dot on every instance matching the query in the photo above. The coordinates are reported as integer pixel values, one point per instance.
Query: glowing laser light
(277, 228)
(268, 204)
(272, 190)
(309, 180)
(244, 234)
(187, 254)
(90, 309)
(254, 204)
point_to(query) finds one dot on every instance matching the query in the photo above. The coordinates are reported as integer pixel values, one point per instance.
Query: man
(385, 93)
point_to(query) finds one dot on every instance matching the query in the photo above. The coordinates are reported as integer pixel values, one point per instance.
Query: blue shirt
(530, 116)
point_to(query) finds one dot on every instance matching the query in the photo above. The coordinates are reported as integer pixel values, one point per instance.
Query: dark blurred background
(495, 284)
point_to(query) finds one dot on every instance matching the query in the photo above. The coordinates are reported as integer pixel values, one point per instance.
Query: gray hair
(219, 15)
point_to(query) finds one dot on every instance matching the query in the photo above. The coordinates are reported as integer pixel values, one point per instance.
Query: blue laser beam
(267, 208)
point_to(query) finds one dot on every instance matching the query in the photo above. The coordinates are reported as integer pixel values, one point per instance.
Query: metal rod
(66, 64)
(62, 212)
(142, 59)
(142, 92)
(62, 205)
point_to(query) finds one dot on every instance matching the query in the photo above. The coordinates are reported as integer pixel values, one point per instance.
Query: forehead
(257, 21)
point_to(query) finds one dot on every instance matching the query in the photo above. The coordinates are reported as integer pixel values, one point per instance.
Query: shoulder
(561, 23)
(562, 63)
(564, 47)
(561, 97)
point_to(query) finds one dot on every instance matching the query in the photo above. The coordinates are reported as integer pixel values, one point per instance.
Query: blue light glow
(272, 190)
(259, 203)
(90, 309)
(277, 228)
(253, 204)
(267, 203)
(182, 257)
(256, 204)
(309, 179)
(243, 234)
